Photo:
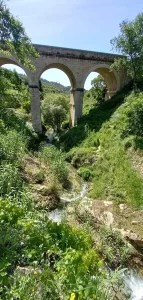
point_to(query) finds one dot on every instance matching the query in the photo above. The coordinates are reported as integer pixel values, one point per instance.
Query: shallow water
(57, 214)
(134, 283)
(75, 196)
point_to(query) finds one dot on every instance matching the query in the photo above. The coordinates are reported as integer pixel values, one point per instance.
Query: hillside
(57, 85)
(38, 256)
(36, 179)
(61, 88)
(106, 149)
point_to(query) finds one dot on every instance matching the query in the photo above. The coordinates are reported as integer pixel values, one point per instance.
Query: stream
(133, 281)
(57, 214)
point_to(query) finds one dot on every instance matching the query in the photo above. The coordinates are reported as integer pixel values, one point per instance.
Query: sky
(79, 24)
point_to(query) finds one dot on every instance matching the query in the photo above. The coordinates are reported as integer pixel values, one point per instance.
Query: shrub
(114, 250)
(54, 110)
(82, 156)
(12, 146)
(11, 181)
(26, 105)
(56, 162)
(86, 173)
(134, 112)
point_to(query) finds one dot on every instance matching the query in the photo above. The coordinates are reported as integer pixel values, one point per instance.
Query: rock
(108, 203)
(136, 242)
(133, 239)
(135, 222)
(107, 218)
(122, 206)
(70, 210)
(98, 210)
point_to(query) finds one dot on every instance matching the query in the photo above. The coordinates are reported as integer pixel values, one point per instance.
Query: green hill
(57, 85)
(102, 145)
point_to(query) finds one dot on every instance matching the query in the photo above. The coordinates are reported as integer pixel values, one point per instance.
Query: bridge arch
(111, 78)
(14, 62)
(74, 93)
(61, 67)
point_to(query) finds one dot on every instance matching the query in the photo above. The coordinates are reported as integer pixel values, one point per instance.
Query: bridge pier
(76, 104)
(35, 108)
(109, 94)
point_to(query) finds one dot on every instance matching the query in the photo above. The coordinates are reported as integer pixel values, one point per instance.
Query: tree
(130, 43)
(13, 37)
(98, 89)
(13, 91)
(54, 110)
(54, 116)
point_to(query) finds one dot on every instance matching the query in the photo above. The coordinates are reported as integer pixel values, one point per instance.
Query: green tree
(13, 91)
(98, 89)
(53, 115)
(55, 110)
(130, 43)
(14, 38)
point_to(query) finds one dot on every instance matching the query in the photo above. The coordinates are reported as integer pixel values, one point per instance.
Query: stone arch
(61, 67)
(7, 60)
(73, 94)
(111, 78)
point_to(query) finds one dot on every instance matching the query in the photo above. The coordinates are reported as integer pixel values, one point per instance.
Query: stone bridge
(77, 64)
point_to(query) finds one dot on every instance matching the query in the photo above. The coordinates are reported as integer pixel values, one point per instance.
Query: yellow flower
(15, 291)
(33, 290)
(72, 297)
(18, 267)
(35, 273)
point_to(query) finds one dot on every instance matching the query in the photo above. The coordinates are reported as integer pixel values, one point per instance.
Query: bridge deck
(75, 53)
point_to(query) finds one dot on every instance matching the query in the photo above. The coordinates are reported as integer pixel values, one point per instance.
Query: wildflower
(15, 291)
(35, 273)
(72, 297)
(18, 267)
(33, 290)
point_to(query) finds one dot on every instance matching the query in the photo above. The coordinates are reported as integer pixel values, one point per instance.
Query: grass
(59, 261)
(103, 139)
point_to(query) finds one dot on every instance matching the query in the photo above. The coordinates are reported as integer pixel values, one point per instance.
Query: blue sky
(81, 24)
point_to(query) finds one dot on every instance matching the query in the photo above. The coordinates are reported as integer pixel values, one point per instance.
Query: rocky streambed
(104, 213)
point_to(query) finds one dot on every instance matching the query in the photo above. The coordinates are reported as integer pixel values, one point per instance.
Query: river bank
(96, 215)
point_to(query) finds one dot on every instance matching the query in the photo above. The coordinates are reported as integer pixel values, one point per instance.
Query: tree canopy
(130, 43)
(55, 110)
(98, 89)
(13, 37)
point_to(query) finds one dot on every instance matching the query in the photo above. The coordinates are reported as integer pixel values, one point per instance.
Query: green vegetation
(55, 110)
(40, 259)
(14, 91)
(56, 161)
(129, 42)
(98, 89)
(13, 37)
(50, 85)
(101, 150)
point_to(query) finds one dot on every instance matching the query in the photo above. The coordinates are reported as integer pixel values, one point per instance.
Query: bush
(114, 250)
(134, 112)
(56, 162)
(26, 105)
(12, 147)
(54, 110)
(82, 156)
(86, 173)
(11, 181)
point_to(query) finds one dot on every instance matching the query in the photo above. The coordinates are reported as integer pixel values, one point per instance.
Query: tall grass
(56, 162)
(102, 153)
